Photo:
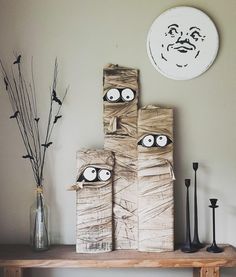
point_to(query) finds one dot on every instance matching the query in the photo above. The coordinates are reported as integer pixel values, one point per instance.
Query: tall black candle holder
(196, 242)
(188, 247)
(214, 248)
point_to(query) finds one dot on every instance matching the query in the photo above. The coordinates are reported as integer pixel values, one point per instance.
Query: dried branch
(22, 97)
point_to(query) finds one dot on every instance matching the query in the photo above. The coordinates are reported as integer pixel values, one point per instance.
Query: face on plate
(181, 44)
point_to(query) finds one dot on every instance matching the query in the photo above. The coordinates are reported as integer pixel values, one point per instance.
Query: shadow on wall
(207, 191)
(179, 207)
(54, 214)
(232, 210)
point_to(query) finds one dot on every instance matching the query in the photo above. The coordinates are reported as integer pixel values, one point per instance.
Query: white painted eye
(127, 94)
(90, 174)
(113, 95)
(161, 141)
(148, 141)
(104, 175)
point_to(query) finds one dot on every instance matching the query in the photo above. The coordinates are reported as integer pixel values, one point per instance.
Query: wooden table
(14, 258)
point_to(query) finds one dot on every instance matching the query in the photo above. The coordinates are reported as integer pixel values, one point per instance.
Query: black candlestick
(196, 242)
(214, 248)
(188, 247)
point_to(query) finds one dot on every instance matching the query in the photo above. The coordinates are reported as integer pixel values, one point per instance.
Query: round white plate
(182, 43)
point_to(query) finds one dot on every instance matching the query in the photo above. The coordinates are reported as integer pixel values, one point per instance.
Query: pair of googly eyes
(155, 141)
(93, 174)
(119, 95)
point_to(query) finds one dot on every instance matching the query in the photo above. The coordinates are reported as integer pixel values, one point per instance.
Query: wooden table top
(65, 256)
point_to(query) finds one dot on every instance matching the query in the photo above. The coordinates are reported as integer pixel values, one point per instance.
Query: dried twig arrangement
(22, 96)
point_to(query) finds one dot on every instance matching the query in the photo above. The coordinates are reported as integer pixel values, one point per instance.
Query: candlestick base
(214, 248)
(188, 249)
(197, 244)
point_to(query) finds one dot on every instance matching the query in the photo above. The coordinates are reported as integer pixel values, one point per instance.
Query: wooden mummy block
(94, 201)
(155, 179)
(120, 97)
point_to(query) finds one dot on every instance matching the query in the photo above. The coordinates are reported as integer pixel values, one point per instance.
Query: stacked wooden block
(155, 179)
(120, 97)
(94, 201)
(135, 171)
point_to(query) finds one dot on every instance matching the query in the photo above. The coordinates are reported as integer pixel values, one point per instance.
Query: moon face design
(118, 95)
(182, 43)
(154, 140)
(94, 174)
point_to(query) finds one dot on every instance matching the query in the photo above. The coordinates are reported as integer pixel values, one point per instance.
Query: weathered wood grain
(155, 180)
(120, 128)
(207, 272)
(94, 204)
(12, 272)
(65, 256)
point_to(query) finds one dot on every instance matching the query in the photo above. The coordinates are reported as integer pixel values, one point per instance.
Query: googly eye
(113, 95)
(127, 94)
(104, 175)
(161, 140)
(90, 174)
(148, 141)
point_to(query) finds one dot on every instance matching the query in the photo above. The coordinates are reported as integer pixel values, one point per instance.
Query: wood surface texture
(94, 204)
(65, 256)
(120, 128)
(155, 181)
(12, 272)
(206, 272)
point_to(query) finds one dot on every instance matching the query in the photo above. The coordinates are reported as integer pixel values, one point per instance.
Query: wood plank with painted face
(120, 95)
(94, 201)
(155, 179)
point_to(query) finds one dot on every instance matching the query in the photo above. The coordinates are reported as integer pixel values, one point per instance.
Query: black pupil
(160, 138)
(107, 173)
(111, 97)
(127, 97)
(93, 170)
(149, 140)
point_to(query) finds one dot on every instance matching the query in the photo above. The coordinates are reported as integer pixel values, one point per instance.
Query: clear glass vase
(39, 235)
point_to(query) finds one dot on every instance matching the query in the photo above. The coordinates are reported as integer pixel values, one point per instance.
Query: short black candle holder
(188, 247)
(196, 242)
(214, 248)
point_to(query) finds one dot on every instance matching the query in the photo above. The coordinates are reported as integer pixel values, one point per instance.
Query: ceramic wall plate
(182, 43)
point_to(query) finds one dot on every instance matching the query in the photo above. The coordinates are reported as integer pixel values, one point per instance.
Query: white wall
(86, 35)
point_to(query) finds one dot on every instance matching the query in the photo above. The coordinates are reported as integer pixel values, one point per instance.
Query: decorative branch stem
(22, 97)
